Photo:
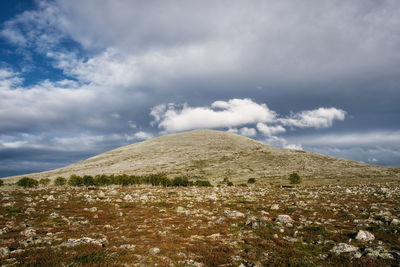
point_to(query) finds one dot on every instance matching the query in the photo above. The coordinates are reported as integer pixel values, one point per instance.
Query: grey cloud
(126, 57)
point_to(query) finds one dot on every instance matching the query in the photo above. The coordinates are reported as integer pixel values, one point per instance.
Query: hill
(216, 154)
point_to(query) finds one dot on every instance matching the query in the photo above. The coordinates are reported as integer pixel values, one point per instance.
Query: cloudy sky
(78, 78)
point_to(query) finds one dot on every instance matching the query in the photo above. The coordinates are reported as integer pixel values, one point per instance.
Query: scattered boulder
(29, 232)
(289, 239)
(379, 252)
(343, 248)
(154, 251)
(274, 207)
(235, 214)
(364, 236)
(128, 198)
(284, 219)
(84, 240)
(128, 246)
(254, 222)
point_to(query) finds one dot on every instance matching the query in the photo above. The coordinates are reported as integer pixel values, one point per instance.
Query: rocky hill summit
(214, 155)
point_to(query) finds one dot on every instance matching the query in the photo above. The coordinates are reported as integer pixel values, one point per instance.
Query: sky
(78, 78)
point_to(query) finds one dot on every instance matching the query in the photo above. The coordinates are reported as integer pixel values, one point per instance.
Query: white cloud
(245, 131)
(141, 136)
(317, 118)
(221, 114)
(240, 112)
(13, 36)
(9, 79)
(294, 146)
(270, 130)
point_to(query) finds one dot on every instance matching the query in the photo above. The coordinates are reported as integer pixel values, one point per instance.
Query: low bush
(88, 180)
(156, 179)
(1, 182)
(75, 180)
(251, 181)
(229, 183)
(202, 183)
(180, 181)
(166, 182)
(102, 180)
(44, 181)
(27, 182)
(60, 181)
(294, 178)
(125, 180)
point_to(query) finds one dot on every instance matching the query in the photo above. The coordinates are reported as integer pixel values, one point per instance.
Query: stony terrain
(257, 225)
(216, 154)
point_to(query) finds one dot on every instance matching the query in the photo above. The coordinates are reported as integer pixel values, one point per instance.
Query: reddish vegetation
(197, 226)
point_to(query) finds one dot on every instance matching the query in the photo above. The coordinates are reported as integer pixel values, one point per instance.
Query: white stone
(128, 198)
(154, 251)
(235, 214)
(29, 232)
(284, 219)
(275, 207)
(343, 247)
(364, 236)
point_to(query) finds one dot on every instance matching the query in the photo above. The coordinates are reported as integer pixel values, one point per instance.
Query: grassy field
(200, 226)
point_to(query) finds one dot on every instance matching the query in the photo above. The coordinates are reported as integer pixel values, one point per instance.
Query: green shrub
(102, 180)
(1, 182)
(60, 181)
(124, 180)
(294, 178)
(75, 180)
(44, 181)
(251, 181)
(155, 179)
(180, 181)
(202, 183)
(229, 183)
(88, 180)
(27, 182)
(244, 185)
(166, 182)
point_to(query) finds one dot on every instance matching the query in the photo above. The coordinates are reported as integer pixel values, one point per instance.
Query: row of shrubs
(124, 180)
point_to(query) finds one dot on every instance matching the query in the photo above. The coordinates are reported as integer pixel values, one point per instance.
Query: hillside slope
(215, 155)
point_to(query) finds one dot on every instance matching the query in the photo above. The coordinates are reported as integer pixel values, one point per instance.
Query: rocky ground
(197, 226)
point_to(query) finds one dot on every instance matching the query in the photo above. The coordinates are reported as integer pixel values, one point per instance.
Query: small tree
(44, 181)
(60, 181)
(251, 181)
(180, 181)
(88, 180)
(75, 180)
(27, 182)
(202, 183)
(102, 180)
(294, 178)
(1, 182)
